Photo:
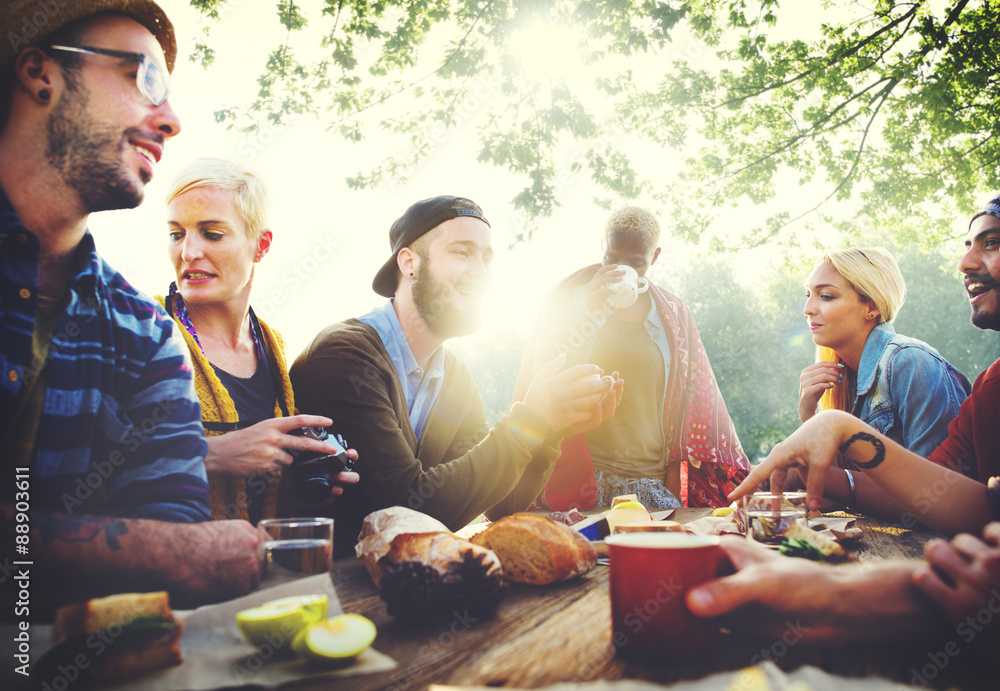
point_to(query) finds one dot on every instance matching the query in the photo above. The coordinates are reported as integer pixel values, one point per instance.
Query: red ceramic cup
(650, 573)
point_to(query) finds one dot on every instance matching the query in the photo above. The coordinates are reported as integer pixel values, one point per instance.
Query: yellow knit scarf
(228, 492)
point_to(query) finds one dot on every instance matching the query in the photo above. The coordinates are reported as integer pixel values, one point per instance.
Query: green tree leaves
(891, 109)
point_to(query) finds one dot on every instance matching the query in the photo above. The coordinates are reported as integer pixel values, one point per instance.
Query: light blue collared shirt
(420, 385)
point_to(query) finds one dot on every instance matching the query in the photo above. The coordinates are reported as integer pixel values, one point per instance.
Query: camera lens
(312, 480)
(312, 473)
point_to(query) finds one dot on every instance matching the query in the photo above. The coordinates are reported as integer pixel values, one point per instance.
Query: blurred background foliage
(757, 339)
(748, 123)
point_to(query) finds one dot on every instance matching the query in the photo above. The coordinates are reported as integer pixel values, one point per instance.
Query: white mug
(626, 291)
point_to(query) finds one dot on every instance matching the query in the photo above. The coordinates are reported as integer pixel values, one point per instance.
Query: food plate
(216, 656)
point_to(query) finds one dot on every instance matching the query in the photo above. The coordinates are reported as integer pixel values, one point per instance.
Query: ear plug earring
(44, 95)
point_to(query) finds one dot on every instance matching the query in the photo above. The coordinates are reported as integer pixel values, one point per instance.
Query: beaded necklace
(182, 314)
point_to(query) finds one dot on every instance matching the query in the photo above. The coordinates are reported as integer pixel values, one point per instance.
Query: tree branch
(812, 131)
(831, 61)
(884, 94)
(409, 86)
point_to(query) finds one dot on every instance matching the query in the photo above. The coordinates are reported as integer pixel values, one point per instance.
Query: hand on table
(814, 381)
(963, 578)
(796, 599)
(768, 592)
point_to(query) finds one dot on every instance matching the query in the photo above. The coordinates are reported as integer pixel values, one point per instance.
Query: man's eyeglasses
(150, 79)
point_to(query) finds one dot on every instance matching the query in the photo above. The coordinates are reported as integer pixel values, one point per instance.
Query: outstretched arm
(79, 557)
(943, 499)
(783, 596)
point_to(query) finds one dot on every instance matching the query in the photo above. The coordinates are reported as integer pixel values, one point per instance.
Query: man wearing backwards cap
(99, 423)
(412, 409)
(963, 576)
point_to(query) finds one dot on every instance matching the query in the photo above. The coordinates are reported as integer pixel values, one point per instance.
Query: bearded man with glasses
(100, 428)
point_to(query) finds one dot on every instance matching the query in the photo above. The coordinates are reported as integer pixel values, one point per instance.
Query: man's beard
(980, 318)
(986, 320)
(88, 154)
(436, 305)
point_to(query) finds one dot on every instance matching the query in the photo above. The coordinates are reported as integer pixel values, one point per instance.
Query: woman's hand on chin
(814, 381)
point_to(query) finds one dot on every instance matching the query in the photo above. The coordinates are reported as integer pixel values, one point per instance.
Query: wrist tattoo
(62, 528)
(876, 460)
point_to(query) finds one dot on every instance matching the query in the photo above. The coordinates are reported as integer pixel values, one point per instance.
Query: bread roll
(427, 576)
(423, 571)
(380, 528)
(536, 550)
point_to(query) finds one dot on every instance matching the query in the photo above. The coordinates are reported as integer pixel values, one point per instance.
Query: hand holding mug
(627, 290)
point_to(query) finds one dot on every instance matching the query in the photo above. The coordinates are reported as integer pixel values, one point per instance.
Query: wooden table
(562, 632)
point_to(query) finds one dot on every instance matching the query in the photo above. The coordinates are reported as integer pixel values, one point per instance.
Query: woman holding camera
(900, 386)
(216, 221)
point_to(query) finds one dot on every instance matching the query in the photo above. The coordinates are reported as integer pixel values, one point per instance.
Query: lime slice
(342, 637)
(276, 622)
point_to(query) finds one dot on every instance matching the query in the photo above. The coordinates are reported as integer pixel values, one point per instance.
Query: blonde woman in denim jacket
(898, 385)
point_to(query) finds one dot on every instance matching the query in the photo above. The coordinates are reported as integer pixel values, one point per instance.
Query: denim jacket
(906, 390)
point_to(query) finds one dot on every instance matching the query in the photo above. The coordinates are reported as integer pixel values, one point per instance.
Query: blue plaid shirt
(120, 432)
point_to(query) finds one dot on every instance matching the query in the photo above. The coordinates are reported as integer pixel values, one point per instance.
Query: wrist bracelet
(853, 489)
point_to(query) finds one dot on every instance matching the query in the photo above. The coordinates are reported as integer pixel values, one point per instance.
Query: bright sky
(330, 240)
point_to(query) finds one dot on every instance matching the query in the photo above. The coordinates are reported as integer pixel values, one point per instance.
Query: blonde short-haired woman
(217, 228)
(900, 386)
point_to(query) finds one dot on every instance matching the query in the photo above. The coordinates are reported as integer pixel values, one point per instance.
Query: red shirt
(972, 446)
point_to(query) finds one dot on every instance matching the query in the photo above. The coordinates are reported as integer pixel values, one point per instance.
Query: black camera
(312, 473)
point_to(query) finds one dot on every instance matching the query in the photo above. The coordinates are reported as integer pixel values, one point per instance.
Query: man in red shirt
(961, 576)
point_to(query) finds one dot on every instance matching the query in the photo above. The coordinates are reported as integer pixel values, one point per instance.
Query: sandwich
(802, 540)
(111, 639)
